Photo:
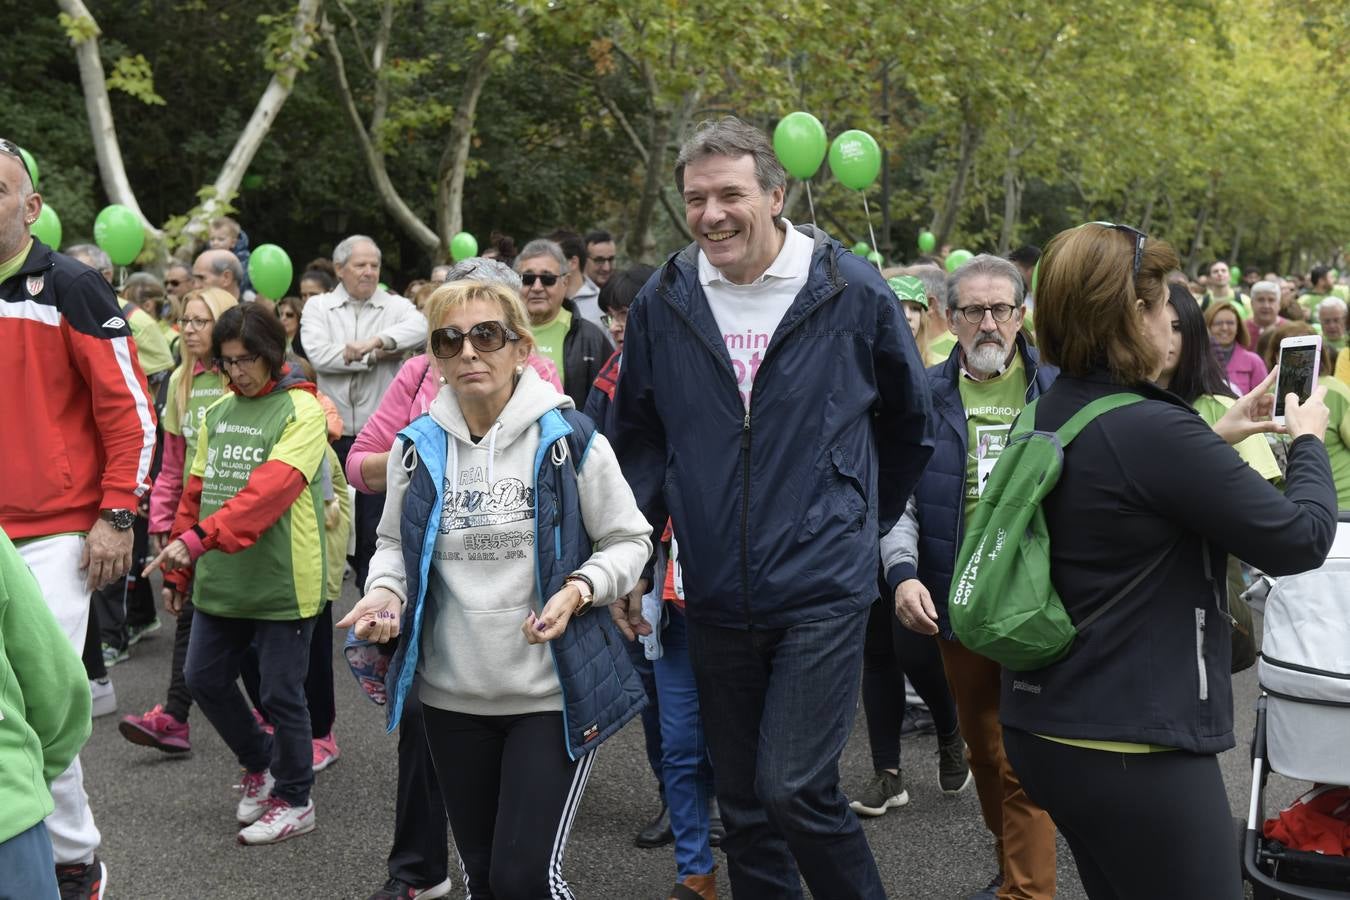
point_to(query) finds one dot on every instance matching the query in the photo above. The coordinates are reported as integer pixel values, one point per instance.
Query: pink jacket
(1245, 370)
(410, 395)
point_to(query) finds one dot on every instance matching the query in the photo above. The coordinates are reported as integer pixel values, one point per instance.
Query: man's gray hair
(92, 256)
(343, 251)
(1336, 304)
(934, 284)
(478, 268)
(225, 261)
(542, 247)
(729, 136)
(1266, 287)
(990, 266)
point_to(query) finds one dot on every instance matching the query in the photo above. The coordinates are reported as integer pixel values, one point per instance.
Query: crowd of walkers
(761, 458)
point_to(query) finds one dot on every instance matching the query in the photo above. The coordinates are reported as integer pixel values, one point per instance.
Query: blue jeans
(216, 649)
(778, 704)
(30, 872)
(685, 771)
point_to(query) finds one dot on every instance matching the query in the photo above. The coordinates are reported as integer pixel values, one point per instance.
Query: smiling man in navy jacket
(773, 404)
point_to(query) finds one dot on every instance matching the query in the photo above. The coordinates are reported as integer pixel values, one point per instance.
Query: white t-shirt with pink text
(748, 314)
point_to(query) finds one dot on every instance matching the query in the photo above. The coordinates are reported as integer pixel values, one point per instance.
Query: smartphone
(1299, 359)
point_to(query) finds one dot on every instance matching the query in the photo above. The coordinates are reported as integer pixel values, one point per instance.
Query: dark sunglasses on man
(548, 278)
(447, 343)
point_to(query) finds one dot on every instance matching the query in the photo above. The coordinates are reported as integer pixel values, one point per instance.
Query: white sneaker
(257, 787)
(105, 698)
(279, 822)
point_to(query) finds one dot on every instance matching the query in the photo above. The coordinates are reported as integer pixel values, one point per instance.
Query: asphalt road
(169, 832)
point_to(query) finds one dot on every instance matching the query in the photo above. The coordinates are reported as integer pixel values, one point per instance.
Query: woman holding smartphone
(506, 520)
(1149, 504)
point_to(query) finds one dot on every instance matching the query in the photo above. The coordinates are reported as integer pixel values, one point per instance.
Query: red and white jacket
(78, 420)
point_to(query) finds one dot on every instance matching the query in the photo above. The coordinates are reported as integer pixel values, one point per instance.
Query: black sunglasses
(447, 343)
(12, 149)
(1139, 238)
(548, 278)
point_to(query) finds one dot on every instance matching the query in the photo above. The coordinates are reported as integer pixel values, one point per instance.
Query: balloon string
(809, 202)
(870, 233)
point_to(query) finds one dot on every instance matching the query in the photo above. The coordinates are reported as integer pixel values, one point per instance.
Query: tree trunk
(389, 196)
(455, 159)
(1012, 205)
(95, 86)
(264, 114)
(1235, 252)
(640, 244)
(1146, 220)
(945, 220)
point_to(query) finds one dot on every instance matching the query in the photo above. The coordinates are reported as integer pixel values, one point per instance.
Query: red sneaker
(326, 752)
(157, 729)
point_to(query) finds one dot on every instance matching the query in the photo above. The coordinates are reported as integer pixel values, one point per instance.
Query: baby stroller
(1302, 720)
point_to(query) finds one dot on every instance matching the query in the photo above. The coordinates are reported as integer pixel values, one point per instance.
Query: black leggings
(1142, 826)
(890, 653)
(511, 792)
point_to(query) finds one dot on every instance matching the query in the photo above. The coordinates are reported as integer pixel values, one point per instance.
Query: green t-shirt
(281, 577)
(940, 348)
(1255, 450)
(152, 350)
(1310, 301)
(990, 407)
(11, 266)
(548, 339)
(207, 388)
(1337, 436)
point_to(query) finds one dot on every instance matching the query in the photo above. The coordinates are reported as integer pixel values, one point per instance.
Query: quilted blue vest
(600, 689)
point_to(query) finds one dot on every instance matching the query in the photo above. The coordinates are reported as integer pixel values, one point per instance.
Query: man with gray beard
(977, 393)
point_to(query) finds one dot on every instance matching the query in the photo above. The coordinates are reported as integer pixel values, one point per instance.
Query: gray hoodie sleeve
(900, 547)
(617, 527)
(386, 566)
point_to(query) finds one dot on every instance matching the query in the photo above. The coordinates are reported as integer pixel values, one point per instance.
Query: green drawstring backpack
(1003, 605)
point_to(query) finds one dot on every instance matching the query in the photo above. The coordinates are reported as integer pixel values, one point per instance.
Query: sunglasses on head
(447, 343)
(548, 278)
(12, 149)
(1139, 238)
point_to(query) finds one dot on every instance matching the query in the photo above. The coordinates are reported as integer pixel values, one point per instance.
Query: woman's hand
(173, 601)
(626, 611)
(552, 622)
(1251, 414)
(1307, 418)
(914, 607)
(376, 616)
(174, 556)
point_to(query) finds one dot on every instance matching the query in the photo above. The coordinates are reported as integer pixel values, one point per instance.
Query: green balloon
(927, 241)
(47, 228)
(855, 159)
(463, 246)
(800, 142)
(1035, 276)
(875, 257)
(118, 231)
(958, 258)
(1234, 276)
(270, 270)
(861, 248)
(32, 166)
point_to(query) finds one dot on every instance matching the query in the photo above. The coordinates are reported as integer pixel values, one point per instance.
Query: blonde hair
(218, 301)
(921, 337)
(456, 294)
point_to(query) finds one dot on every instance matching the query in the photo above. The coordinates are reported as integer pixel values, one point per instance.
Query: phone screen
(1296, 374)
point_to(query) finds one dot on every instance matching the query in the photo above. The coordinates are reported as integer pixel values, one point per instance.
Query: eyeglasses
(237, 362)
(447, 343)
(194, 324)
(603, 260)
(548, 278)
(1001, 312)
(12, 149)
(175, 282)
(618, 317)
(1139, 238)
(288, 314)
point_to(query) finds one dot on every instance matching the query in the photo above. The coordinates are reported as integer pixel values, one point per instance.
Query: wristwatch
(586, 589)
(121, 519)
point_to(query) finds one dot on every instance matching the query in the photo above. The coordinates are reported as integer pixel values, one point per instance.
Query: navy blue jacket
(601, 692)
(777, 508)
(940, 494)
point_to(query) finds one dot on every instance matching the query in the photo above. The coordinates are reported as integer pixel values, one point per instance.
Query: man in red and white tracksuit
(75, 462)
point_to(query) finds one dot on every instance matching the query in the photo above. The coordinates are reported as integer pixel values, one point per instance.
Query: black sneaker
(394, 889)
(953, 771)
(885, 791)
(82, 881)
(916, 720)
(657, 833)
(990, 891)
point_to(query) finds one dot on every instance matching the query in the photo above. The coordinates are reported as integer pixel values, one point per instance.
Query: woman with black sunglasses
(1118, 739)
(506, 519)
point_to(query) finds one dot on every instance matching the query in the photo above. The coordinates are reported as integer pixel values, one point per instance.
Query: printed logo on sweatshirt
(116, 323)
(508, 500)
(35, 284)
